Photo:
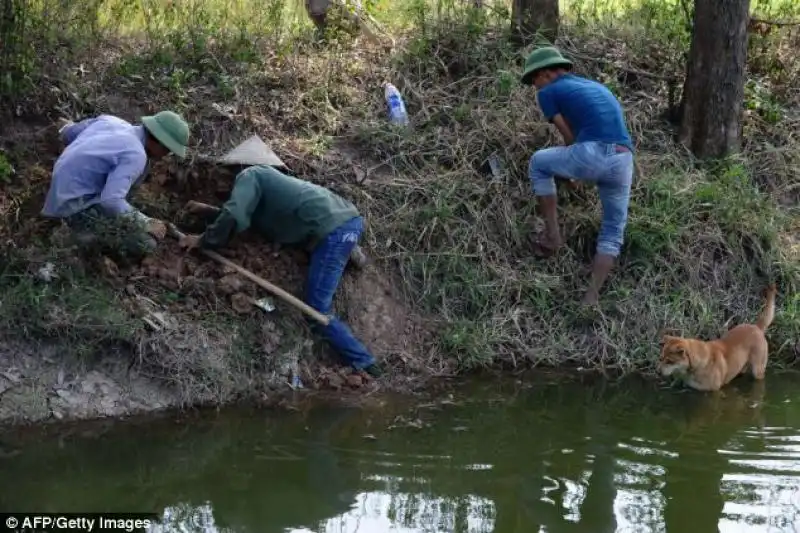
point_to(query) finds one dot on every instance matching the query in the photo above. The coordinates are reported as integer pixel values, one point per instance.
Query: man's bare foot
(590, 299)
(601, 266)
(547, 246)
(358, 258)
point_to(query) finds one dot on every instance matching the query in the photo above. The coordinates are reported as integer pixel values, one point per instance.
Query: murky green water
(558, 456)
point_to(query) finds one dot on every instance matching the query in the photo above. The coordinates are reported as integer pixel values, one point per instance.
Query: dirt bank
(40, 383)
(44, 383)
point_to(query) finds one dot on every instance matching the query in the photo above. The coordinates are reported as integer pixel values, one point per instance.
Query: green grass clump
(47, 296)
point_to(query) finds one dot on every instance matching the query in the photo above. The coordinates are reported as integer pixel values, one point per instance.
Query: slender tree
(714, 89)
(529, 17)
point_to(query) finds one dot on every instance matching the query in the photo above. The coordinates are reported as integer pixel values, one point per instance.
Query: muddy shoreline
(43, 384)
(44, 387)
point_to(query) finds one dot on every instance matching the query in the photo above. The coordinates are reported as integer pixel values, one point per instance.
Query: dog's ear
(666, 339)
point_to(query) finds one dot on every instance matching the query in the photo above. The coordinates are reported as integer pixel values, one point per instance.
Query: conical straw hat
(253, 151)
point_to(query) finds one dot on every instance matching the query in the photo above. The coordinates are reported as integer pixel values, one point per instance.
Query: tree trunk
(317, 11)
(531, 16)
(714, 88)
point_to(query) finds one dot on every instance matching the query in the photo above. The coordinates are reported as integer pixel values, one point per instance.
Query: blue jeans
(328, 260)
(608, 165)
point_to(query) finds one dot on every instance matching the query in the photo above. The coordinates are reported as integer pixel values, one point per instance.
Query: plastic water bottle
(295, 383)
(397, 109)
(496, 167)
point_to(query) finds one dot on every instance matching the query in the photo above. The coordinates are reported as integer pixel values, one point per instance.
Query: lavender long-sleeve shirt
(104, 158)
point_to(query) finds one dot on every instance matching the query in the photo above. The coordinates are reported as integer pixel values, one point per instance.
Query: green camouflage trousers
(124, 235)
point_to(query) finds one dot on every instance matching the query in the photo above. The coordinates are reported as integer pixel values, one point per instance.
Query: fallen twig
(780, 23)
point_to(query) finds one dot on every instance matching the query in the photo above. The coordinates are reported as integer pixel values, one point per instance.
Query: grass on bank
(701, 243)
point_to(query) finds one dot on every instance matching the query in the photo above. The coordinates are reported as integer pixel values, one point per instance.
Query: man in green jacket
(292, 211)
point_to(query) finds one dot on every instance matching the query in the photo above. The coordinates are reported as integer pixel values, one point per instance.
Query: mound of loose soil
(374, 308)
(367, 299)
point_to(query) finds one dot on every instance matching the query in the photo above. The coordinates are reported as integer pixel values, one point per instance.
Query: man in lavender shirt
(104, 158)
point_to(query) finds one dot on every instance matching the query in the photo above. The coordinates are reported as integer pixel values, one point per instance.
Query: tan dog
(708, 365)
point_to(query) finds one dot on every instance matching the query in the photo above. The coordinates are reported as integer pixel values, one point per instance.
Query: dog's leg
(758, 360)
(709, 381)
(702, 386)
(756, 391)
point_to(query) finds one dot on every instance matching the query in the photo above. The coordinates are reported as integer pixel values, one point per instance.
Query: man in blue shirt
(104, 158)
(598, 149)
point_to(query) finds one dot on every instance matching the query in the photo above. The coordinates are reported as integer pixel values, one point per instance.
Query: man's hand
(189, 242)
(563, 128)
(571, 183)
(63, 123)
(157, 229)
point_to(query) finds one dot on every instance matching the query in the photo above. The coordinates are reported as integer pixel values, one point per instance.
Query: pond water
(537, 455)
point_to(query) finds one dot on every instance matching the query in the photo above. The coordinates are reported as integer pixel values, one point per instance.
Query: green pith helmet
(169, 129)
(546, 56)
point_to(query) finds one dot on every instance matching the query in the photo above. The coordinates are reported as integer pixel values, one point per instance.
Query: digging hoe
(258, 280)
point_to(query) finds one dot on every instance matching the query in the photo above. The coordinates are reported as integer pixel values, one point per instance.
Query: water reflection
(558, 457)
(410, 513)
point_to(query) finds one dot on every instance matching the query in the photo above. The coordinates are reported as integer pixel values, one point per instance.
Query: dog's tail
(766, 316)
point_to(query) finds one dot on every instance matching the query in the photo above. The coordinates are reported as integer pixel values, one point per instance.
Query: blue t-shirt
(592, 111)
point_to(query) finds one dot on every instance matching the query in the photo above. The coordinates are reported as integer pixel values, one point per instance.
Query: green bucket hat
(546, 56)
(170, 130)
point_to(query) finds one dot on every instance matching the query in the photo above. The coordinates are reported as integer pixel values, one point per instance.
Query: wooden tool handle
(202, 205)
(258, 280)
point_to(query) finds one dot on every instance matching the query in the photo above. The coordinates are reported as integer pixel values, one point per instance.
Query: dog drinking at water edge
(708, 365)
